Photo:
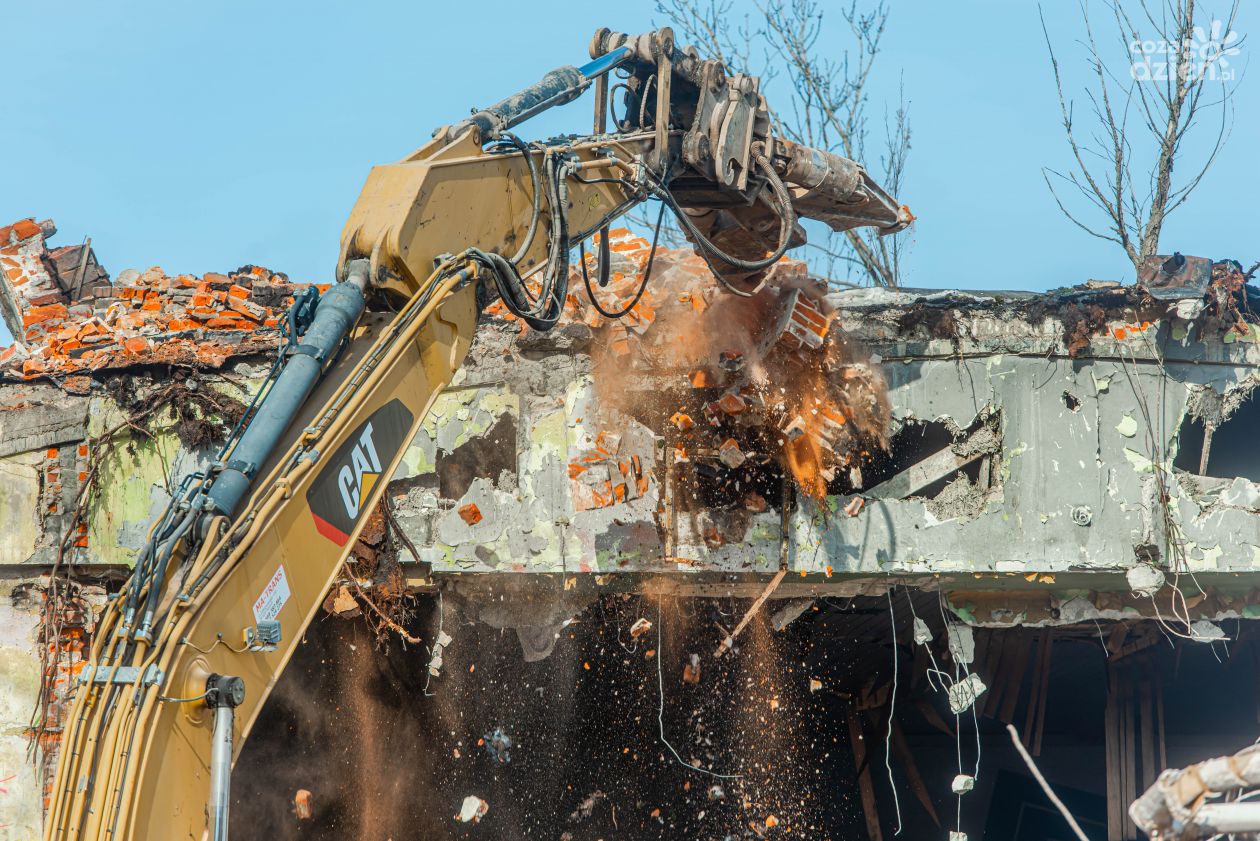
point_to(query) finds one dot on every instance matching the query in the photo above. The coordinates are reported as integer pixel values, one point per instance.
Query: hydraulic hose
(787, 221)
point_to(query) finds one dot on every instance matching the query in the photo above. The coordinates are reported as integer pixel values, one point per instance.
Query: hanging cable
(785, 212)
(643, 284)
(612, 113)
(535, 193)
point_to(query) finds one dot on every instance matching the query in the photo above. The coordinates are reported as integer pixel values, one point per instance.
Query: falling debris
(435, 655)
(640, 627)
(962, 784)
(498, 746)
(302, 805)
(772, 384)
(691, 670)
(729, 640)
(472, 810)
(815, 685)
(586, 808)
(682, 422)
(730, 454)
(755, 502)
(965, 692)
(731, 360)
(789, 613)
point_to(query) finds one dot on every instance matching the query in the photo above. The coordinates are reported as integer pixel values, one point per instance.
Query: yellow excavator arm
(186, 654)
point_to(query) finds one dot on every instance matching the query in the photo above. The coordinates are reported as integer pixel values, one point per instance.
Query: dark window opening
(1231, 450)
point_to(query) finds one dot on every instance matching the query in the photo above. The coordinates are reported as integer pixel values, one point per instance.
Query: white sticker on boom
(273, 597)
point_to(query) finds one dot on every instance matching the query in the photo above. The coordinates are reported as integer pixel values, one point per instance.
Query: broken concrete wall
(1040, 449)
(113, 391)
(86, 473)
(1076, 447)
(1032, 437)
(1030, 442)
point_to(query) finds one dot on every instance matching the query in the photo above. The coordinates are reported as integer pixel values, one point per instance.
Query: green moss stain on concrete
(125, 492)
(458, 416)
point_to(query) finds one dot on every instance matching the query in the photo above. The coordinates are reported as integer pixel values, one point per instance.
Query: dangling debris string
(660, 712)
(892, 709)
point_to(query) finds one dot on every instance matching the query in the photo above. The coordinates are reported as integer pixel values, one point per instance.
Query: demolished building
(978, 507)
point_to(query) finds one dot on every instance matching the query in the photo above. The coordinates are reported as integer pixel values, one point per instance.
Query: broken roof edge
(1216, 319)
(69, 320)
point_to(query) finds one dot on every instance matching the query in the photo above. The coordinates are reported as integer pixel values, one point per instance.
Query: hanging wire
(892, 710)
(660, 712)
(643, 284)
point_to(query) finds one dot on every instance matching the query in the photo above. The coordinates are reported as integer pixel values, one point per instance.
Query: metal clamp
(123, 675)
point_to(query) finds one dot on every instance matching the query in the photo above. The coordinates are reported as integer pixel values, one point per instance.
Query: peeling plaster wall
(1077, 482)
(1098, 462)
(46, 437)
(21, 815)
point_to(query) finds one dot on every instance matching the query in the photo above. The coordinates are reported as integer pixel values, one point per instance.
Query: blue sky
(202, 136)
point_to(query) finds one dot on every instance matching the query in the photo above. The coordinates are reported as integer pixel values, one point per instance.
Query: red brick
(246, 308)
(37, 315)
(24, 229)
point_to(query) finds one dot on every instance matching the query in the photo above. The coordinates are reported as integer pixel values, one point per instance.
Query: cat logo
(341, 492)
(357, 478)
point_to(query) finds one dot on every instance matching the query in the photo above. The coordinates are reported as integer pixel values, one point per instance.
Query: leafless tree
(829, 101)
(1170, 69)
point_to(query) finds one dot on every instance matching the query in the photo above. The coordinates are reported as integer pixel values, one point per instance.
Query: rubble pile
(68, 321)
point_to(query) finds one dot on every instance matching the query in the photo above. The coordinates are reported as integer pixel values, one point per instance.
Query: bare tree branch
(828, 102)
(1173, 70)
